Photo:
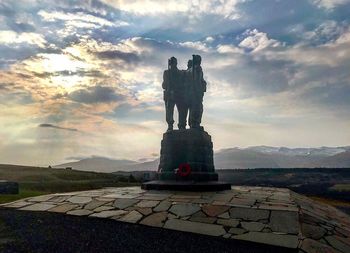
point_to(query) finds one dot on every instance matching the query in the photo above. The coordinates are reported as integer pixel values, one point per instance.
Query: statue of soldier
(187, 77)
(174, 94)
(189, 65)
(196, 92)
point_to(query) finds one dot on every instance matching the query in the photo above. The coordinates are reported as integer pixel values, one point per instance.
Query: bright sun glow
(61, 70)
(61, 62)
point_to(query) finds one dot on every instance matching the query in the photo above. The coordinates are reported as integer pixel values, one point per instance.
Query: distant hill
(282, 157)
(321, 151)
(236, 158)
(100, 164)
(339, 160)
(152, 165)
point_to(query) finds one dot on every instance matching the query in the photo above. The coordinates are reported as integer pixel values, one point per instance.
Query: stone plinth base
(7, 187)
(186, 186)
(190, 147)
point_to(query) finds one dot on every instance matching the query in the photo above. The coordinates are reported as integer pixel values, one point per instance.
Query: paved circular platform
(50, 232)
(190, 186)
(272, 216)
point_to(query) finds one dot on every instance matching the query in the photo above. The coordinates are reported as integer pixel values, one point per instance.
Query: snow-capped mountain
(321, 151)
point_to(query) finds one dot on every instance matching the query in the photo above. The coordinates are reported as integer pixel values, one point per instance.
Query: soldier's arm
(204, 83)
(165, 81)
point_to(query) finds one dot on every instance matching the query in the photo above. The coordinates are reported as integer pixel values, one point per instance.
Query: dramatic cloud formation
(277, 73)
(12, 38)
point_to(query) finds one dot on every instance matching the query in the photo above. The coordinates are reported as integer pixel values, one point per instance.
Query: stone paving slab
(288, 241)
(195, 227)
(266, 215)
(38, 207)
(64, 208)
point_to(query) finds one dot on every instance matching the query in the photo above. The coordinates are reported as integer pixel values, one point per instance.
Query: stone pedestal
(191, 150)
(192, 147)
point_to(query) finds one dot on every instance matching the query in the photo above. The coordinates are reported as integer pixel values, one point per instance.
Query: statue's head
(172, 62)
(197, 59)
(189, 64)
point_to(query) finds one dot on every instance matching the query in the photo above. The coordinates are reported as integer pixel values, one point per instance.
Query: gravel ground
(50, 232)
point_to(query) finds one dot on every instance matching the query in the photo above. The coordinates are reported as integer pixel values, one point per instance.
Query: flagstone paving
(272, 216)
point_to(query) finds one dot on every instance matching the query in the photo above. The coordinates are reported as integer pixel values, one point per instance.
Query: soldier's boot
(170, 128)
(195, 124)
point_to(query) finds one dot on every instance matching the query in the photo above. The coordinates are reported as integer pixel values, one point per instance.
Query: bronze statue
(185, 89)
(174, 94)
(196, 92)
(189, 65)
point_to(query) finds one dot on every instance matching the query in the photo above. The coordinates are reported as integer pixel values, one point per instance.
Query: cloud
(4, 86)
(11, 38)
(329, 4)
(332, 54)
(20, 27)
(96, 94)
(79, 19)
(256, 41)
(225, 8)
(137, 112)
(117, 54)
(45, 125)
(326, 32)
(223, 49)
(197, 45)
(12, 94)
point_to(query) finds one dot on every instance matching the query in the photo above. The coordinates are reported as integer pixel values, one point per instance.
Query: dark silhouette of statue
(186, 155)
(174, 94)
(185, 89)
(196, 92)
(189, 65)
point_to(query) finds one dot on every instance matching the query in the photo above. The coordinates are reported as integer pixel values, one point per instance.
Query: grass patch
(4, 198)
(332, 202)
(34, 181)
(340, 187)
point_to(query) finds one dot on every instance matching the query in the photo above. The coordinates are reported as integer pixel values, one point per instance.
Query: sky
(83, 78)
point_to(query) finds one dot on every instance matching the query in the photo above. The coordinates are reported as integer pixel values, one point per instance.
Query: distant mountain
(99, 164)
(236, 158)
(152, 165)
(282, 157)
(321, 151)
(339, 160)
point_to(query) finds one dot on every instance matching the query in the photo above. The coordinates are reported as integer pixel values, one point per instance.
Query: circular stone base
(186, 185)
